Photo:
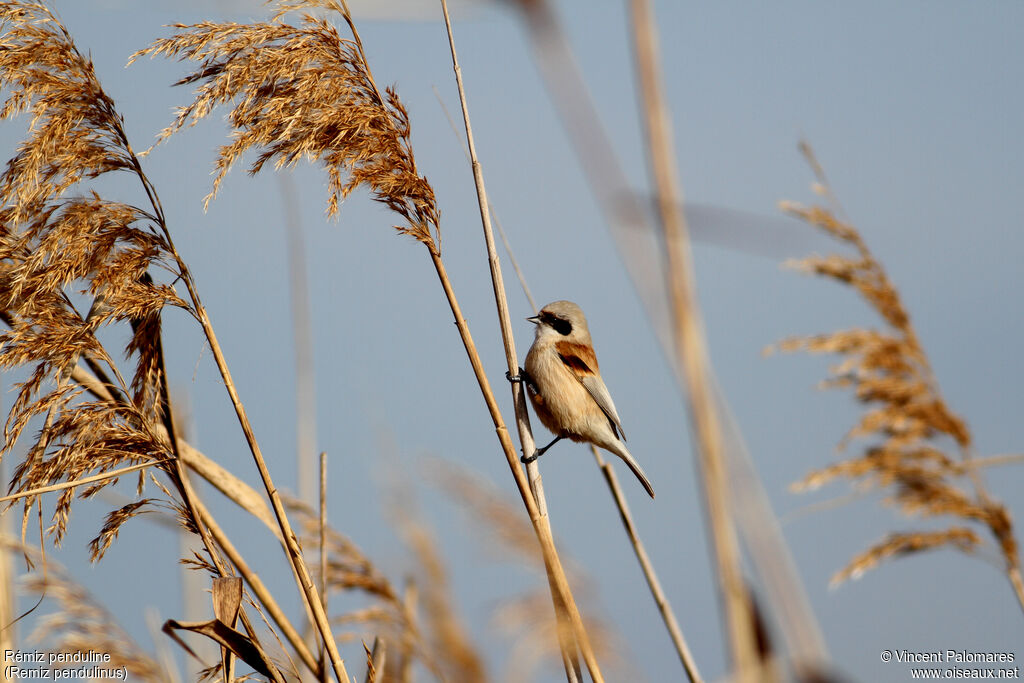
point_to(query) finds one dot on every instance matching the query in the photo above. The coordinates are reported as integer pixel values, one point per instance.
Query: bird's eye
(563, 327)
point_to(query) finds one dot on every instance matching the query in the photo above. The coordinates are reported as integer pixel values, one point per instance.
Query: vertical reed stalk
(690, 345)
(568, 648)
(540, 522)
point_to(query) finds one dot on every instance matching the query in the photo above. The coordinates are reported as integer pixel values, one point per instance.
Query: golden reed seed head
(906, 420)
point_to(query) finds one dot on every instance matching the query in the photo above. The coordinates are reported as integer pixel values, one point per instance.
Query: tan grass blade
(323, 551)
(113, 474)
(375, 660)
(8, 628)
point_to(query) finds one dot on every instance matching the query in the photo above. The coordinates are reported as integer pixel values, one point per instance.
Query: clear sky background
(914, 109)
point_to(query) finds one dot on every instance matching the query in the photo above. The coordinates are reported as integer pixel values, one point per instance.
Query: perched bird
(565, 386)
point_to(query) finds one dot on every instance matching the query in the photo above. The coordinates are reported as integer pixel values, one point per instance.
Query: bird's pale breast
(563, 404)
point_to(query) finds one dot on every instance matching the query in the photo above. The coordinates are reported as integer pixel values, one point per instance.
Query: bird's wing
(580, 360)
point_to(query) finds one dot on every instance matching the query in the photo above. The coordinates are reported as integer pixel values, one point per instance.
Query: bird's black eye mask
(563, 327)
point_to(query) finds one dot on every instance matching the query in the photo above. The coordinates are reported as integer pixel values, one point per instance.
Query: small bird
(565, 386)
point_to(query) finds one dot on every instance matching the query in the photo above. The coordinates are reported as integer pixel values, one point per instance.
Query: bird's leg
(539, 452)
(525, 378)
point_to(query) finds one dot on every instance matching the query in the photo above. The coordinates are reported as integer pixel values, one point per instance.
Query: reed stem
(690, 344)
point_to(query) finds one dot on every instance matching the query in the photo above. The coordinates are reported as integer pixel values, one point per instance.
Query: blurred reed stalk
(627, 218)
(690, 344)
(302, 336)
(763, 539)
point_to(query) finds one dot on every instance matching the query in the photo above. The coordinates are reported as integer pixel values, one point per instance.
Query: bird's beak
(535, 320)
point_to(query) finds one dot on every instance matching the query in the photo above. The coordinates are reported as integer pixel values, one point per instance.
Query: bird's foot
(527, 459)
(515, 378)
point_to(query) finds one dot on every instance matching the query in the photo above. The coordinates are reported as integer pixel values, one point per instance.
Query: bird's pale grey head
(561, 321)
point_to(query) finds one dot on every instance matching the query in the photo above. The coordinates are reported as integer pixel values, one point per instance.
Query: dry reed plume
(71, 266)
(910, 428)
(304, 92)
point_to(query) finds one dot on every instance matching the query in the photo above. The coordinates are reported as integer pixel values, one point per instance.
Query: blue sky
(914, 111)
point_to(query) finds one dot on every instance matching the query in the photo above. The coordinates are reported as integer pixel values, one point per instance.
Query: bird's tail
(619, 449)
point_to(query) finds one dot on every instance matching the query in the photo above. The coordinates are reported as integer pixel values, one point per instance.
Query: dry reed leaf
(376, 660)
(906, 419)
(227, 483)
(238, 643)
